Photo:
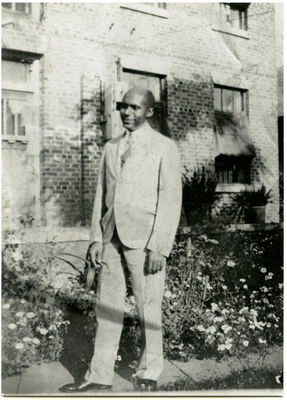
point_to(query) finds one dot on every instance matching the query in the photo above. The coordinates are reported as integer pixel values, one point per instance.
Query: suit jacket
(143, 199)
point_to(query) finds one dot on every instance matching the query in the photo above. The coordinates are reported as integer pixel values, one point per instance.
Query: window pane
(217, 99)
(15, 117)
(238, 102)
(227, 100)
(21, 125)
(7, 5)
(10, 123)
(23, 7)
(235, 19)
(14, 72)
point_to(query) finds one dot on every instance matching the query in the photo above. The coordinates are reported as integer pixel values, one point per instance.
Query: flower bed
(223, 297)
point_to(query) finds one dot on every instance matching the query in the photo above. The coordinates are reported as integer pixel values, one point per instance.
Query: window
(13, 116)
(159, 5)
(234, 147)
(235, 14)
(20, 7)
(20, 138)
(233, 170)
(229, 99)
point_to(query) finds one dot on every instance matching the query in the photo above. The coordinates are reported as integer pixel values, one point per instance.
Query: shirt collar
(138, 133)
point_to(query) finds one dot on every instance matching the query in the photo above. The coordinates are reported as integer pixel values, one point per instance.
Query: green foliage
(199, 189)
(32, 323)
(223, 297)
(250, 197)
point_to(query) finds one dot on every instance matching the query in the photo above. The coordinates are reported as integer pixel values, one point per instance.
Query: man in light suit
(135, 218)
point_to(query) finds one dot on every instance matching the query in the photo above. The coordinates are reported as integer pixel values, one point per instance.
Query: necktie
(126, 151)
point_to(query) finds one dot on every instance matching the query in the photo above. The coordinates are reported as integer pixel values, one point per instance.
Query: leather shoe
(146, 385)
(84, 387)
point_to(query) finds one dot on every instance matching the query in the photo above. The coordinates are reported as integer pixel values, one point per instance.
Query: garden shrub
(223, 297)
(226, 296)
(32, 323)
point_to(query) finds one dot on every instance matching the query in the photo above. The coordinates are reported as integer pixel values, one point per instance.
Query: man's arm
(99, 203)
(95, 249)
(168, 208)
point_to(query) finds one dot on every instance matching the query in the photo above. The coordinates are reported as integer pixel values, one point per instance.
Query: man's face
(134, 110)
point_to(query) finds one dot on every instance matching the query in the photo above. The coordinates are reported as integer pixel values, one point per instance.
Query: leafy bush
(223, 297)
(250, 197)
(199, 191)
(32, 323)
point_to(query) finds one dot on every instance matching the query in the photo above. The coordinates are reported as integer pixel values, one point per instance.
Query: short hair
(148, 95)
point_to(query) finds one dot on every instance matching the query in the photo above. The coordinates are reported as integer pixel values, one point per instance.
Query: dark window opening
(232, 170)
(25, 8)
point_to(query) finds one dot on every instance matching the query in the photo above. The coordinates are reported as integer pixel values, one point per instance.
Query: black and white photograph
(142, 199)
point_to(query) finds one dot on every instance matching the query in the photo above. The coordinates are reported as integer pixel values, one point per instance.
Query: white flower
(200, 328)
(12, 326)
(19, 314)
(254, 312)
(263, 270)
(242, 280)
(92, 314)
(119, 358)
(280, 285)
(27, 339)
(243, 310)
(245, 343)
(214, 306)
(36, 341)
(91, 292)
(6, 306)
(211, 329)
(30, 315)
(226, 328)
(228, 340)
(221, 347)
(224, 287)
(19, 346)
(218, 319)
(262, 341)
(245, 286)
(43, 331)
(241, 319)
(17, 256)
(230, 263)
(23, 301)
(167, 294)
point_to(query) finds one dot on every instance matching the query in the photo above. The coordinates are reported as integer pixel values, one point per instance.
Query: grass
(263, 378)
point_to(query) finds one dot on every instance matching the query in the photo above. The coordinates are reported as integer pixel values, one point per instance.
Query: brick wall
(82, 42)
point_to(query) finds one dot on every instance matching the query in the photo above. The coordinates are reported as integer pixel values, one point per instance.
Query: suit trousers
(110, 301)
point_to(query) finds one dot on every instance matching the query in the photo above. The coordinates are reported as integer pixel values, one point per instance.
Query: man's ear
(150, 112)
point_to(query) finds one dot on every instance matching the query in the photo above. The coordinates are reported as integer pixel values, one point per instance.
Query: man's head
(136, 107)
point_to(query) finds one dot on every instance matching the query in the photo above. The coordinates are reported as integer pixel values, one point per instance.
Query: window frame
(13, 8)
(147, 9)
(225, 26)
(243, 93)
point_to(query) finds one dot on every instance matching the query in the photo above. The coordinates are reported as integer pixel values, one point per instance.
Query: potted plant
(198, 196)
(251, 202)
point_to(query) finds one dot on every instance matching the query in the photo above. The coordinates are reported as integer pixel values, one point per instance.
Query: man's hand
(95, 253)
(155, 262)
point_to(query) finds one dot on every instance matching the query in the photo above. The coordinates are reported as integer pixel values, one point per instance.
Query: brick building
(64, 66)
